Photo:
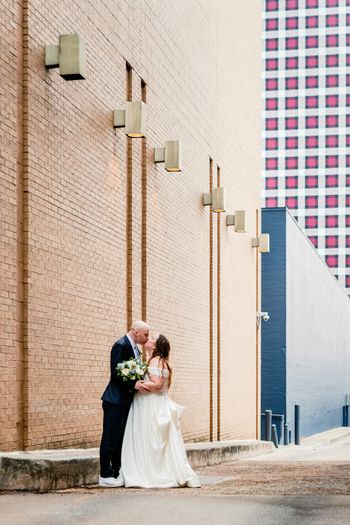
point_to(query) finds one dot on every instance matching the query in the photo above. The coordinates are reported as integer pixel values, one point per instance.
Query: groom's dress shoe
(111, 482)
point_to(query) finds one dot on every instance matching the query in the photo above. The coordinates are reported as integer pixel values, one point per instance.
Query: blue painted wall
(305, 346)
(273, 301)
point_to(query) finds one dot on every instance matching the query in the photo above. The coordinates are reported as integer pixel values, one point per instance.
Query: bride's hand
(141, 387)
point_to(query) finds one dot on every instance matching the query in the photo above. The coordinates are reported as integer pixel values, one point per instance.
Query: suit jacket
(120, 392)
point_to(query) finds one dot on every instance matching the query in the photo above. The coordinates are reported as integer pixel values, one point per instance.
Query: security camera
(261, 315)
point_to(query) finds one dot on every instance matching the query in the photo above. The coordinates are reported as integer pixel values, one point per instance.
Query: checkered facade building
(307, 121)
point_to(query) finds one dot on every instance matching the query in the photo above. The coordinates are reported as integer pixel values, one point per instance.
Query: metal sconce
(132, 118)
(216, 199)
(237, 220)
(68, 56)
(170, 154)
(262, 242)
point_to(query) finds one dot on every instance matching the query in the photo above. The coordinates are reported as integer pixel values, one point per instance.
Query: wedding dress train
(153, 453)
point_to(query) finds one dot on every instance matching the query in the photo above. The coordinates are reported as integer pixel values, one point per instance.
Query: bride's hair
(162, 350)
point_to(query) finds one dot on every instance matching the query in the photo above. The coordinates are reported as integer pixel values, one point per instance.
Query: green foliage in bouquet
(132, 370)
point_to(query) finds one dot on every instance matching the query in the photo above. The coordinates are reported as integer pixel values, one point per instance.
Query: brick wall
(201, 65)
(10, 132)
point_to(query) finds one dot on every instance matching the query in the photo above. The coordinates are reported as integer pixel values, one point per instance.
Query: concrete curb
(46, 470)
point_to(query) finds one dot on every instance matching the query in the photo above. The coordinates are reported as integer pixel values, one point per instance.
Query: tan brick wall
(201, 64)
(10, 59)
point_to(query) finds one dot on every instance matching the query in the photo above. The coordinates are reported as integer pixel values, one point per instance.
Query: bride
(153, 453)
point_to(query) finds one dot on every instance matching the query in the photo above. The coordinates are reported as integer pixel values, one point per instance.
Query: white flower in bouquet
(131, 370)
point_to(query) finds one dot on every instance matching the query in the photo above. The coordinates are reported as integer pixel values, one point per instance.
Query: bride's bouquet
(131, 370)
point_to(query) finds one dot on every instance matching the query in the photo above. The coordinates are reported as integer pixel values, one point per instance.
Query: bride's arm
(156, 382)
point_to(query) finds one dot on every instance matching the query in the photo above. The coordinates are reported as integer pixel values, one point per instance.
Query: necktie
(136, 352)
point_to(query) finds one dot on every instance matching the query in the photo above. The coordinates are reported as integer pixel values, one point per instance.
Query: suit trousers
(114, 422)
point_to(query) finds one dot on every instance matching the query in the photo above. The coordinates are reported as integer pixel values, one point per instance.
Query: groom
(116, 402)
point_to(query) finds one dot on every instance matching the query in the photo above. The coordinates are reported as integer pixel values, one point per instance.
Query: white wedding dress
(153, 453)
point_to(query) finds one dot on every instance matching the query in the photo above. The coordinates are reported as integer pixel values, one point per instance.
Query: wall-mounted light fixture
(262, 242)
(237, 220)
(215, 199)
(170, 154)
(68, 56)
(132, 118)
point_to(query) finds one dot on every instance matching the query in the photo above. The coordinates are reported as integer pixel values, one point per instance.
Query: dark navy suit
(116, 402)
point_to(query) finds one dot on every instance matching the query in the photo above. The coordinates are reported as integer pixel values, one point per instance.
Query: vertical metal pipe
(297, 424)
(285, 435)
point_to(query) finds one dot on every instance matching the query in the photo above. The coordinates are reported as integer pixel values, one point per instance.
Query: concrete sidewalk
(44, 470)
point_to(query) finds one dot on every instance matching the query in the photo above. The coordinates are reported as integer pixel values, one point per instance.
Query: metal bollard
(344, 416)
(268, 423)
(297, 424)
(274, 435)
(285, 435)
(290, 436)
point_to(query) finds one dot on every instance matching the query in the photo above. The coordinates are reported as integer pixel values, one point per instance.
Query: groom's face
(141, 336)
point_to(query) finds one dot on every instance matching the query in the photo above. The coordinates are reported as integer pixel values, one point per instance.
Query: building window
(292, 42)
(331, 141)
(311, 22)
(311, 201)
(332, 60)
(292, 83)
(332, 80)
(291, 182)
(311, 221)
(292, 22)
(331, 241)
(311, 4)
(314, 240)
(311, 41)
(291, 123)
(332, 261)
(292, 63)
(311, 122)
(271, 104)
(271, 44)
(291, 163)
(311, 162)
(311, 181)
(311, 102)
(331, 121)
(271, 84)
(331, 161)
(291, 4)
(271, 202)
(332, 20)
(271, 24)
(271, 5)
(271, 123)
(292, 202)
(331, 201)
(311, 142)
(271, 64)
(311, 82)
(271, 143)
(291, 142)
(291, 103)
(332, 101)
(331, 221)
(311, 61)
(332, 40)
(331, 181)
(271, 183)
(271, 164)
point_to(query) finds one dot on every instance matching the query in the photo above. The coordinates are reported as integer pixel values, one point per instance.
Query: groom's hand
(141, 387)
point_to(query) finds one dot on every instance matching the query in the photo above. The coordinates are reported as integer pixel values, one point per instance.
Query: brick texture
(201, 65)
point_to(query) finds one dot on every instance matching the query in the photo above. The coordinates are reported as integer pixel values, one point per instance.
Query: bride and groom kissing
(141, 443)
